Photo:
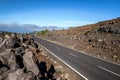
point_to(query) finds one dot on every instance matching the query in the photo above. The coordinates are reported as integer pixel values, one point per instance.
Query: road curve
(92, 68)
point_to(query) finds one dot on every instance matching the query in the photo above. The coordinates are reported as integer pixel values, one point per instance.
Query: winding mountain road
(90, 68)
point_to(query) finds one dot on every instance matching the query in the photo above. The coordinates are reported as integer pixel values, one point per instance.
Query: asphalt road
(89, 67)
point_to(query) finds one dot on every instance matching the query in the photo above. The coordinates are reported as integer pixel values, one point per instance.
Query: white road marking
(73, 54)
(65, 63)
(82, 52)
(109, 71)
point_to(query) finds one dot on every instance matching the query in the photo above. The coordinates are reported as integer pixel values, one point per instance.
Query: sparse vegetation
(43, 32)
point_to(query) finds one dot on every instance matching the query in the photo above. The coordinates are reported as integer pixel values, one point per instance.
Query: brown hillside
(101, 39)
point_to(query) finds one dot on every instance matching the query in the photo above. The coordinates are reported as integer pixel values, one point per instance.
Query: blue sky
(62, 13)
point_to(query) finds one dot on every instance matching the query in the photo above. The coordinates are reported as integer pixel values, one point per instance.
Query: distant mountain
(25, 28)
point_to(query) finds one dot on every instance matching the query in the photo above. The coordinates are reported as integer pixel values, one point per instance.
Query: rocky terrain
(101, 39)
(21, 58)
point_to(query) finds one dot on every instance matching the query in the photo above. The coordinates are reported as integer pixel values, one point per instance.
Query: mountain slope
(101, 39)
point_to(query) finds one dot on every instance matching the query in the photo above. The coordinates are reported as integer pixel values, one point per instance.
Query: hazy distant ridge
(25, 28)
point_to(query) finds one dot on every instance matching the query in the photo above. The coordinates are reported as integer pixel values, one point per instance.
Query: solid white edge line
(109, 71)
(83, 52)
(64, 62)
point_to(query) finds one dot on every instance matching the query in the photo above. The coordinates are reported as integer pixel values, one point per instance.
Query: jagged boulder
(14, 75)
(3, 71)
(1, 39)
(29, 63)
(19, 51)
(27, 76)
(11, 42)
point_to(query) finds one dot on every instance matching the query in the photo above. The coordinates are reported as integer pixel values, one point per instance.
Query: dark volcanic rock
(27, 76)
(29, 63)
(1, 39)
(20, 57)
(3, 71)
(14, 75)
(11, 42)
(20, 75)
(15, 63)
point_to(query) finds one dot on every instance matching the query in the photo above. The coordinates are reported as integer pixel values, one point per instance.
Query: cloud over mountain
(25, 28)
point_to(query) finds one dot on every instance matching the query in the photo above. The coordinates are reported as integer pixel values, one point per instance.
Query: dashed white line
(73, 54)
(109, 71)
(82, 52)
